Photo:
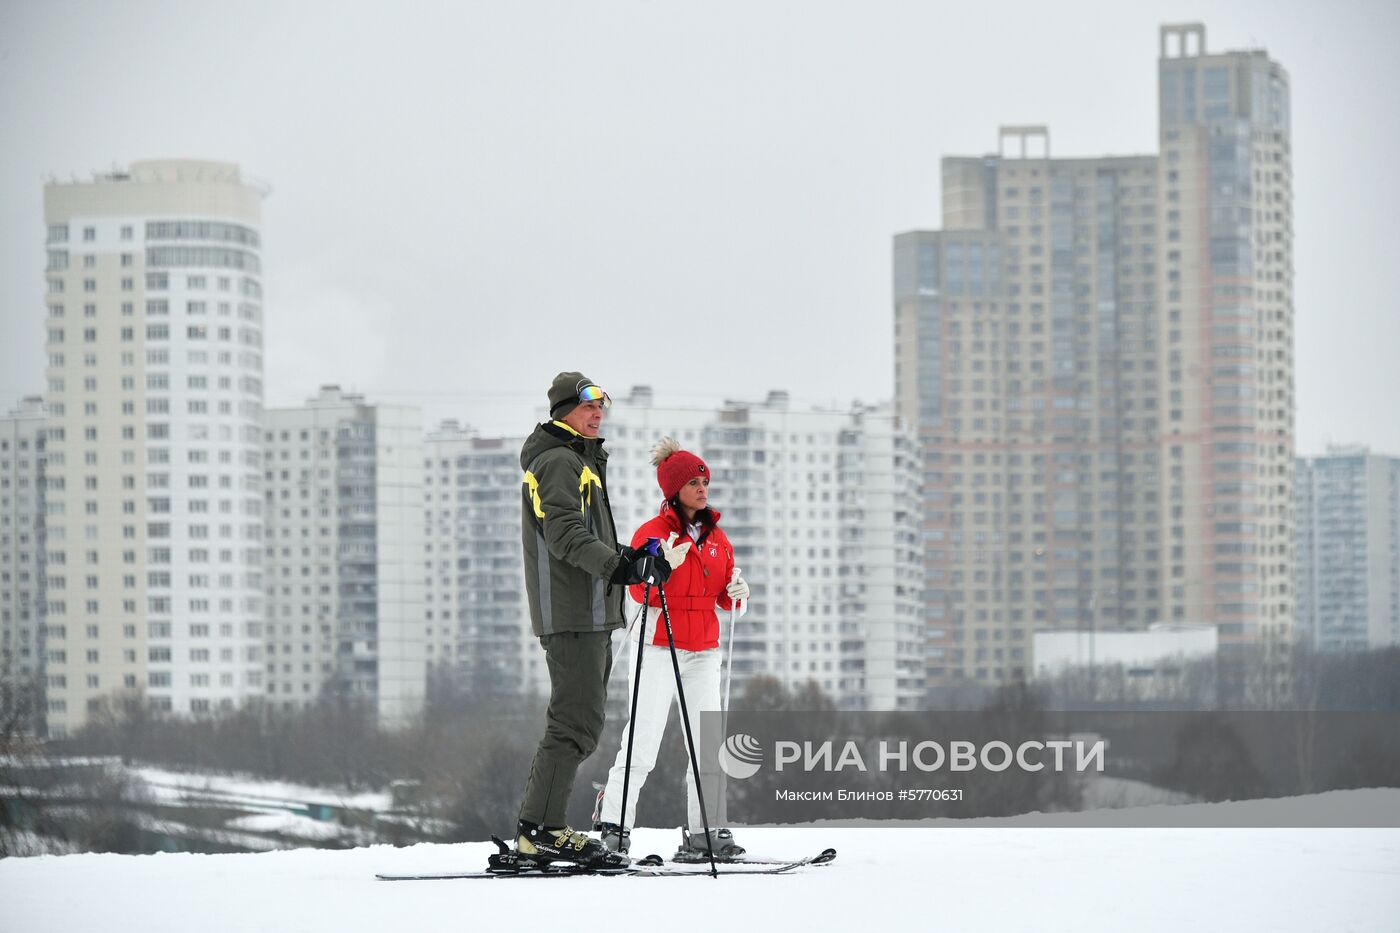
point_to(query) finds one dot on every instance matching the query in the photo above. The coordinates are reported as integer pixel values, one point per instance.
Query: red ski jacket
(696, 588)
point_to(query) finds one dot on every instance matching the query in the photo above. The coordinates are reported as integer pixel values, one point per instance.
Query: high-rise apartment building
(22, 564)
(1026, 355)
(1348, 550)
(1097, 355)
(344, 539)
(154, 498)
(821, 507)
(478, 621)
(1225, 281)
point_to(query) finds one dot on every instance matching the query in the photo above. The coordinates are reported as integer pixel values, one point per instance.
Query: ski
(507, 865)
(702, 869)
(649, 867)
(531, 873)
(824, 858)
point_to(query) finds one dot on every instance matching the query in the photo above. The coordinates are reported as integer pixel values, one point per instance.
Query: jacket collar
(567, 435)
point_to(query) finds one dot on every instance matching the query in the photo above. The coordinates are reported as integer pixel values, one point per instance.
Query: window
(201, 230)
(218, 257)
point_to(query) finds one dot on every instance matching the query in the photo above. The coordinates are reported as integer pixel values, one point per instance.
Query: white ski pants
(655, 697)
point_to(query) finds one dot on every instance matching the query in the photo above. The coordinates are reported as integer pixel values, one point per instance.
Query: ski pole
(735, 611)
(632, 719)
(689, 737)
(727, 654)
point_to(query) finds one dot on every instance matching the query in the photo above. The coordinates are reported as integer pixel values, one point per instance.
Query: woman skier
(703, 582)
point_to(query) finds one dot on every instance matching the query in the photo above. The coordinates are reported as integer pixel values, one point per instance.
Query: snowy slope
(928, 878)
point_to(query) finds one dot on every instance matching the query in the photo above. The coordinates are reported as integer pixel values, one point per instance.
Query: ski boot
(510, 862)
(616, 838)
(694, 849)
(544, 845)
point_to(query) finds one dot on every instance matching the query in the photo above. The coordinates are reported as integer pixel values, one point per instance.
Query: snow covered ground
(943, 877)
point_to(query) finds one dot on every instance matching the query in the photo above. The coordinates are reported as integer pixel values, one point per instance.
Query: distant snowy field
(942, 878)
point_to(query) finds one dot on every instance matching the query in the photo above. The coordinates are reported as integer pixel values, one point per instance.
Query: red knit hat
(675, 467)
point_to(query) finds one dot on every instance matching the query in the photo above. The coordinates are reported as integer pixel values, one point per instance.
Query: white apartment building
(478, 621)
(1348, 549)
(344, 547)
(154, 500)
(22, 562)
(822, 510)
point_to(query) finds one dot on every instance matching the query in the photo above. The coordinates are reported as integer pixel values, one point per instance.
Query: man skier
(575, 577)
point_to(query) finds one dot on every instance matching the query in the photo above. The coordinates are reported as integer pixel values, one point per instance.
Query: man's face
(587, 418)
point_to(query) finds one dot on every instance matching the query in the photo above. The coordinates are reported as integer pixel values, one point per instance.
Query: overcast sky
(468, 197)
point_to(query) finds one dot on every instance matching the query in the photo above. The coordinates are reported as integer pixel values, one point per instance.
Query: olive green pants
(579, 665)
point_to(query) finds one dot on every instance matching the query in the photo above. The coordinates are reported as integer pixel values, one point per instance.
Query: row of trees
(462, 765)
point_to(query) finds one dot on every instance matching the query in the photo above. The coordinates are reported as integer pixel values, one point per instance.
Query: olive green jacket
(568, 534)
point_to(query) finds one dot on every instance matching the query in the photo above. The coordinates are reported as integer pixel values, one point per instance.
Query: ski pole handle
(742, 605)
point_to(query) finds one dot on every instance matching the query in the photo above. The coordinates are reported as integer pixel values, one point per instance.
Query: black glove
(641, 566)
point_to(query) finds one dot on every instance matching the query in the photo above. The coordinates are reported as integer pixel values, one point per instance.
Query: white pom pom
(663, 449)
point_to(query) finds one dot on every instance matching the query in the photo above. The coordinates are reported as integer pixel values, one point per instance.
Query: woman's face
(695, 495)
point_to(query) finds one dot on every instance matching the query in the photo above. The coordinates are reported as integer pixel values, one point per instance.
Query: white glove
(675, 556)
(738, 587)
